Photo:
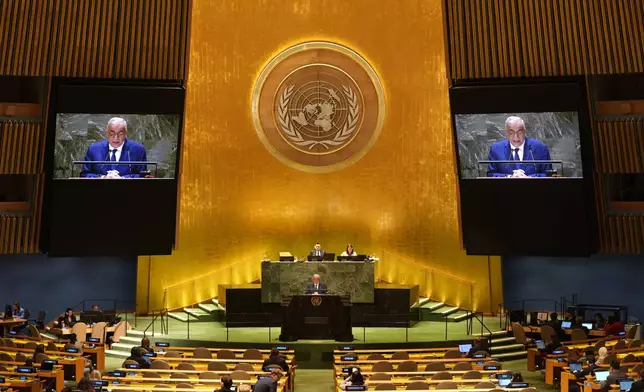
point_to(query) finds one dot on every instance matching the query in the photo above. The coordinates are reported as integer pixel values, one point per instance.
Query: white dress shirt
(117, 153)
(520, 152)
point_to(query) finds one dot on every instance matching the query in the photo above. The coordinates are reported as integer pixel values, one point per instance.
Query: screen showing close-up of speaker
(112, 162)
(524, 167)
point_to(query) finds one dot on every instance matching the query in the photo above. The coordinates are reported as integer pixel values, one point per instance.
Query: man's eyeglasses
(515, 133)
(116, 134)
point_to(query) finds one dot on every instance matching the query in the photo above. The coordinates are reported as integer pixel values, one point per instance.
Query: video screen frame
(78, 213)
(486, 204)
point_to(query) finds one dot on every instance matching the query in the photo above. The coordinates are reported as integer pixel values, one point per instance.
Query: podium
(325, 316)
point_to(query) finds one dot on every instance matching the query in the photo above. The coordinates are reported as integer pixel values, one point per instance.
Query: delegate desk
(324, 316)
(537, 330)
(289, 278)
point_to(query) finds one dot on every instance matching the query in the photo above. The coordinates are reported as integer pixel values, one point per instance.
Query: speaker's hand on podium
(112, 174)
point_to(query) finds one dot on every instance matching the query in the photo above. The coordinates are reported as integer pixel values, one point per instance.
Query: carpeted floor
(214, 331)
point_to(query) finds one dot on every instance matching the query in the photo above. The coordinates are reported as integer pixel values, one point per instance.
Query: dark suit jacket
(322, 253)
(638, 386)
(613, 379)
(266, 385)
(276, 360)
(99, 151)
(533, 150)
(310, 288)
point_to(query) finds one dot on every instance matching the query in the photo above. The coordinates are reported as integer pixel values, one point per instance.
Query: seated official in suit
(317, 251)
(517, 147)
(268, 384)
(275, 359)
(116, 148)
(349, 251)
(315, 286)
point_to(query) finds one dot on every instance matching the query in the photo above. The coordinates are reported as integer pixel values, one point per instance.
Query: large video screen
(519, 145)
(114, 146)
(525, 166)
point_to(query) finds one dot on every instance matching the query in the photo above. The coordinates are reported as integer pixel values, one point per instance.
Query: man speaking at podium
(116, 148)
(315, 286)
(518, 148)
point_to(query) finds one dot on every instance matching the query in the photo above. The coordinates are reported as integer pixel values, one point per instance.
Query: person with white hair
(517, 147)
(315, 286)
(115, 148)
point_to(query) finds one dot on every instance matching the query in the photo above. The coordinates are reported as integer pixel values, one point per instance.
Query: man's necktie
(113, 158)
(516, 156)
(316, 287)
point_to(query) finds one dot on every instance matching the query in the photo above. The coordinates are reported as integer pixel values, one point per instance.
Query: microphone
(536, 170)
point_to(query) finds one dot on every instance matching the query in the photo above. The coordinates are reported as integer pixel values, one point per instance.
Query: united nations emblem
(318, 106)
(316, 300)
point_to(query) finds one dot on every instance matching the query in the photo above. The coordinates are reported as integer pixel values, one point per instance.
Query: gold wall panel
(143, 39)
(512, 38)
(237, 202)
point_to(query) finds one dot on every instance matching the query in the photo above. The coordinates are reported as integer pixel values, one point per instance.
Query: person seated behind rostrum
(136, 354)
(275, 358)
(355, 378)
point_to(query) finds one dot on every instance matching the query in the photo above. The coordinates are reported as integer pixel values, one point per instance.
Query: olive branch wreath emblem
(296, 136)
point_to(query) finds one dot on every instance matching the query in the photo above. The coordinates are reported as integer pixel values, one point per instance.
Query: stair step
(209, 308)
(196, 312)
(117, 354)
(136, 340)
(497, 341)
(125, 347)
(447, 310)
(460, 315)
(431, 306)
(511, 355)
(494, 334)
(135, 332)
(507, 347)
(181, 316)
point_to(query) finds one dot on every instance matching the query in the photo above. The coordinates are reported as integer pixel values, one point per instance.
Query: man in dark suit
(638, 386)
(518, 148)
(317, 251)
(115, 149)
(315, 286)
(275, 359)
(226, 384)
(614, 376)
(268, 384)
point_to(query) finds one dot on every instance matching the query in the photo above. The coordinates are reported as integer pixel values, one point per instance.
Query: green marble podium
(287, 278)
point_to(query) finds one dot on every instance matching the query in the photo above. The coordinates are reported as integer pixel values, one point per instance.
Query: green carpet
(424, 331)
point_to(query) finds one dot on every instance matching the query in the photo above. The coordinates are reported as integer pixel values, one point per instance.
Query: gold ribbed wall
(142, 39)
(238, 202)
(120, 39)
(515, 38)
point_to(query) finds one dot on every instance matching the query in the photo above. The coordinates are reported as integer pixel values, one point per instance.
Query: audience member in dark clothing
(136, 354)
(67, 320)
(269, 384)
(40, 349)
(479, 345)
(599, 322)
(555, 324)
(85, 385)
(226, 384)
(613, 378)
(578, 324)
(145, 344)
(276, 359)
(638, 386)
(613, 327)
(355, 378)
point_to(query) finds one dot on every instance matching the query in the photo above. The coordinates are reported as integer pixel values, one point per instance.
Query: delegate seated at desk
(518, 148)
(317, 251)
(349, 251)
(315, 286)
(116, 148)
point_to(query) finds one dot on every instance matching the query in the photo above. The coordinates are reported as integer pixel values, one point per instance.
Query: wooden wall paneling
(543, 37)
